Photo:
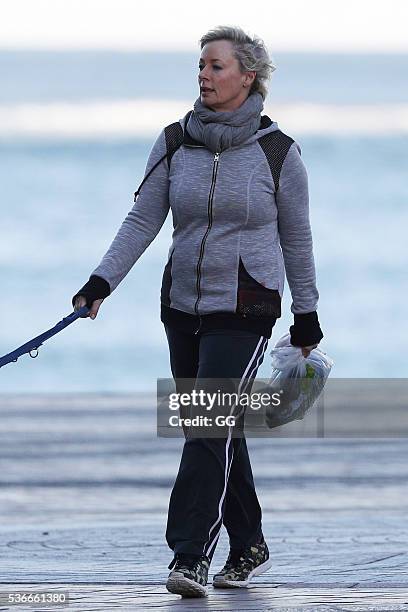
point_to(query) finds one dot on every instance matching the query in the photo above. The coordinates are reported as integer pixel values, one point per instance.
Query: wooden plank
(99, 597)
(84, 488)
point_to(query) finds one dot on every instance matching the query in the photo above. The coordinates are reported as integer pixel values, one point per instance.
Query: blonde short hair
(250, 52)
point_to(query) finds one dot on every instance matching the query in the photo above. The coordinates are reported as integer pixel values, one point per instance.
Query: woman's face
(223, 87)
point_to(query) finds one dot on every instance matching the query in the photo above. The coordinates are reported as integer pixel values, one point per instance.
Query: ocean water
(64, 196)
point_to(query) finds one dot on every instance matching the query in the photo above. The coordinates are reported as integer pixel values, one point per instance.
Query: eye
(201, 66)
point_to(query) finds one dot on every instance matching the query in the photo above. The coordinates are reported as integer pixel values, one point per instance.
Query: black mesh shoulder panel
(275, 145)
(174, 137)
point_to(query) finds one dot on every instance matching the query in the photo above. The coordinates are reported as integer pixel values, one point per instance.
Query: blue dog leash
(35, 343)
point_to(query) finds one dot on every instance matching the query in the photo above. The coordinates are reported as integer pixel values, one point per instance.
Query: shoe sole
(222, 583)
(178, 584)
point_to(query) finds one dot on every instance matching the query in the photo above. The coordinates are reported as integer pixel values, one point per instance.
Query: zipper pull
(216, 156)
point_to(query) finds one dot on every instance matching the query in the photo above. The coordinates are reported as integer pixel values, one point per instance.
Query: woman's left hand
(306, 349)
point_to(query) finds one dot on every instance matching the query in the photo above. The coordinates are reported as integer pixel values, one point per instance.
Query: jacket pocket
(255, 299)
(166, 282)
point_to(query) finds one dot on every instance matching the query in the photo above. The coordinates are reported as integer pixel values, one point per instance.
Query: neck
(231, 106)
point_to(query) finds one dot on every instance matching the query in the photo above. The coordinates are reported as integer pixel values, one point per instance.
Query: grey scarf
(219, 130)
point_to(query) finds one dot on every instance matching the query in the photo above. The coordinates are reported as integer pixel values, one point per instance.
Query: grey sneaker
(242, 565)
(189, 575)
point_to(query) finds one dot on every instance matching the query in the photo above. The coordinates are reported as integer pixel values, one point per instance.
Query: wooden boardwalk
(84, 487)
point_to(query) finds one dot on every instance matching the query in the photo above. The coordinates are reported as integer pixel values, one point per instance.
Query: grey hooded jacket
(235, 231)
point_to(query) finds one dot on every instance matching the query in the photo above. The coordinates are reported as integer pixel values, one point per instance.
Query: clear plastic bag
(299, 380)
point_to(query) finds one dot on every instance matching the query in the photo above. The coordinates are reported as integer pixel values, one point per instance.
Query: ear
(249, 78)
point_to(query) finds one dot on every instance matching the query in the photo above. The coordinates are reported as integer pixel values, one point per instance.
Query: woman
(238, 192)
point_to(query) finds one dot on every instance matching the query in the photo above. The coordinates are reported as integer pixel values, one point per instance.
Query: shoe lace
(235, 557)
(183, 561)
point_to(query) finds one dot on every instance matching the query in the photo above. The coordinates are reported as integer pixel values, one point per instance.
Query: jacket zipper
(204, 239)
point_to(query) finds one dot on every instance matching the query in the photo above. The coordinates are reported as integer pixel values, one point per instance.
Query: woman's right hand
(81, 301)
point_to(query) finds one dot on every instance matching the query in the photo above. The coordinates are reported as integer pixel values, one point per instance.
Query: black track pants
(214, 484)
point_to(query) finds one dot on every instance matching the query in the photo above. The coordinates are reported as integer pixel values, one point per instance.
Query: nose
(201, 72)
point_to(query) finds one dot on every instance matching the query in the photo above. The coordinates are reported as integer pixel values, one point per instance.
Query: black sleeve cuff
(96, 288)
(306, 330)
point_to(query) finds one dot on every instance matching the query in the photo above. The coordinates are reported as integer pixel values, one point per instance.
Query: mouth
(205, 90)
